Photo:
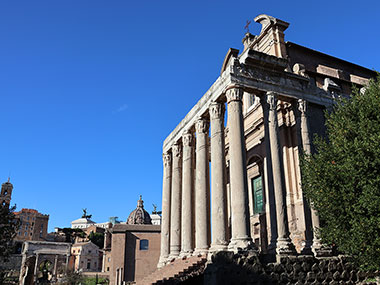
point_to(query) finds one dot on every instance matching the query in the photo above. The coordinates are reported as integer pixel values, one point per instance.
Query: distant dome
(139, 216)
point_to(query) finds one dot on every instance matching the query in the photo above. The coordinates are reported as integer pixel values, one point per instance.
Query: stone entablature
(269, 106)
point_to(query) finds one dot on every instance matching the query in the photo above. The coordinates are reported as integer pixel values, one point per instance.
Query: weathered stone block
(336, 275)
(310, 276)
(306, 266)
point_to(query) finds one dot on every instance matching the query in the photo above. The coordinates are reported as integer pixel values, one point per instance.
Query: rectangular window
(144, 244)
(257, 186)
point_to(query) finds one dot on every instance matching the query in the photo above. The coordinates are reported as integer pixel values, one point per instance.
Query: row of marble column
(177, 234)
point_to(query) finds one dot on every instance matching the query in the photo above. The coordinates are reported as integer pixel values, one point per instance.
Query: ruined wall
(248, 268)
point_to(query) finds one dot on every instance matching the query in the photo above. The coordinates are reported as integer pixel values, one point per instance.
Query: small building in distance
(86, 256)
(135, 247)
(34, 225)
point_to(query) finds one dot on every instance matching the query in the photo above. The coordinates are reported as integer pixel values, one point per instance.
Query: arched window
(144, 244)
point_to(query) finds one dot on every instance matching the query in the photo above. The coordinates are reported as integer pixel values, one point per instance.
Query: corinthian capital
(187, 138)
(234, 94)
(176, 150)
(302, 106)
(272, 100)
(167, 158)
(216, 110)
(201, 126)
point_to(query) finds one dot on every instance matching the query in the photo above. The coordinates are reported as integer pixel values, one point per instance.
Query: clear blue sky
(90, 89)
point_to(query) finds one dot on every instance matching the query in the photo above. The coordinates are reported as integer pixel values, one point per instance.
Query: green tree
(9, 225)
(342, 179)
(97, 238)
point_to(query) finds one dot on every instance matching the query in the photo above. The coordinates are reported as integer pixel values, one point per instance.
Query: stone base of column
(239, 244)
(218, 247)
(306, 248)
(284, 246)
(320, 250)
(185, 253)
(162, 261)
(174, 252)
(200, 251)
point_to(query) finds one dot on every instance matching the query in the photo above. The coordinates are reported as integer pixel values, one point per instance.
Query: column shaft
(202, 188)
(187, 195)
(218, 179)
(283, 243)
(175, 212)
(306, 146)
(165, 221)
(240, 235)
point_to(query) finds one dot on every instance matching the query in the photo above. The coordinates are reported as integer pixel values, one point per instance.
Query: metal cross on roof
(247, 26)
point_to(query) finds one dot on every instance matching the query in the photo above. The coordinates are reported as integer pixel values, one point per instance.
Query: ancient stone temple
(231, 178)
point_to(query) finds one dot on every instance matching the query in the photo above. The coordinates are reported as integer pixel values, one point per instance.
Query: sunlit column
(187, 193)
(175, 212)
(283, 243)
(165, 220)
(202, 188)
(218, 179)
(240, 234)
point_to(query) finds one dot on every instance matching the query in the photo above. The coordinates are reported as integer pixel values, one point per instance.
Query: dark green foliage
(71, 234)
(9, 225)
(72, 278)
(343, 178)
(97, 238)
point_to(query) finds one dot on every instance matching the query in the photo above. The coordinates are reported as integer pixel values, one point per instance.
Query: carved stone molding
(234, 94)
(216, 110)
(272, 100)
(187, 138)
(201, 126)
(167, 159)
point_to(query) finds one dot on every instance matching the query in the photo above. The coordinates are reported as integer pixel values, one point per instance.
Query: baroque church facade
(237, 184)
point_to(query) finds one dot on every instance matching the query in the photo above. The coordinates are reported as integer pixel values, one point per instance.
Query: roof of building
(30, 211)
(139, 216)
(120, 228)
(83, 221)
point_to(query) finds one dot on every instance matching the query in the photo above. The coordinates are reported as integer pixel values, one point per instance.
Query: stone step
(175, 269)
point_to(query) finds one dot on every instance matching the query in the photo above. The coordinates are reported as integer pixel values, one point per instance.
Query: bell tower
(6, 193)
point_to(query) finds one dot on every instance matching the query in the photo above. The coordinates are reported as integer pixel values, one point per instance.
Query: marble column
(175, 210)
(316, 247)
(218, 179)
(240, 233)
(202, 188)
(187, 195)
(283, 242)
(165, 221)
